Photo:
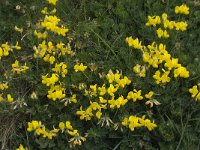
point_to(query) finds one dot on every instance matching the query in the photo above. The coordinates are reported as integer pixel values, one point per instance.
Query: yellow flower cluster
(51, 23)
(135, 43)
(133, 122)
(135, 95)
(183, 9)
(167, 24)
(140, 70)
(5, 49)
(3, 87)
(40, 129)
(17, 68)
(153, 21)
(60, 68)
(55, 91)
(195, 92)
(117, 79)
(76, 138)
(164, 78)
(88, 113)
(162, 33)
(53, 2)
(51, 80)
(80, 67)
(41, 35)
(8, 99)
(155, 55)
(120, 101)
(48, 51)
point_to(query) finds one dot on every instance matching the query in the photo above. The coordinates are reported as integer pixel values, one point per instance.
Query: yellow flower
(40, 35)
(172, 63)
(52, 2)
(93, 90)
(17, 47)
(183, 9)
(169, 24)
(16, 68)
(60, 68)
(80, 67)
(33, 125)
(164, 78)
(51, 23)
(140, 70)
(134, 122)
(181, 26)
(153, 21)
(102, 90)
(18, 29)
(98, 114)
(110, 76)
(68, 125)
(134, 43)
(195, 92)
(21, 147)
(51, 80)
(3, 86)
(111, 90)
(123, 82)
(149, 95)
(9, 98)
(56, 92)
(182, 72)
(73, 133)
(62, 126)
(151, 102)
(162, 33)
(135, 95)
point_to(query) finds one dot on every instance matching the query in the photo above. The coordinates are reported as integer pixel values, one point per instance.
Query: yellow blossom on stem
(182, 72)
(153, 21)
(102, 90)
(56, 92)
(133, 122)
(181, 26)
(80, 67)
(134, 43)
(149, 95)
(51, 80)
(17, 68)
(195, 93)
(111, 90)
(164, 78)
(62, 126)
(183, 9)
(140, 70)
(53, 2)
(162, 33)
(3, 86)
(9, 98)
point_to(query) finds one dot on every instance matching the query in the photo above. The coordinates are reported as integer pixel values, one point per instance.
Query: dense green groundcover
(98, 29)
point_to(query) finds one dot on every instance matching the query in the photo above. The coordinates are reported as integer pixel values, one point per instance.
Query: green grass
(98, 30)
